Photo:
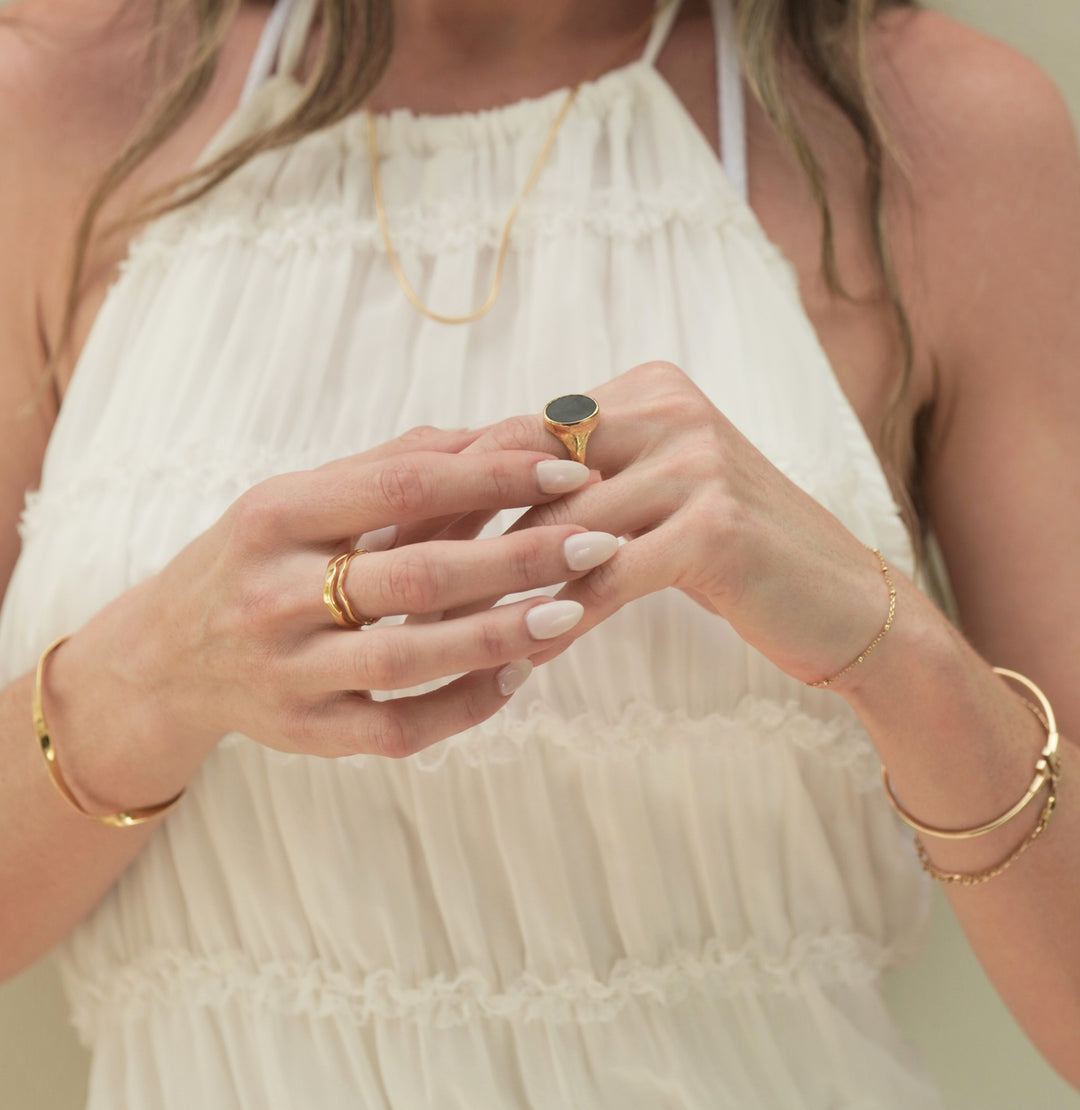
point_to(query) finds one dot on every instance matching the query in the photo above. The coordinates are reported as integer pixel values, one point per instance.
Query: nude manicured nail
(512, 676)
(381, 539)
(553, 618)
(561, 475)
(589, 549)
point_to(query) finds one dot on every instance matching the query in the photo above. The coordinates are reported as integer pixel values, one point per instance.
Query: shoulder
(993, 170)
(69, 93)
(70, 81)
(959, 99)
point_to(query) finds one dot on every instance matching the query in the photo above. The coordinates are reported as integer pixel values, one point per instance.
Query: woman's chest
(860, 339)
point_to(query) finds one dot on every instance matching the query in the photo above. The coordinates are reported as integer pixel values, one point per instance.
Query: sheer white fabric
(665, 875)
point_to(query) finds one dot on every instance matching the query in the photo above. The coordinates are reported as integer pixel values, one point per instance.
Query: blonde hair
(826, 38)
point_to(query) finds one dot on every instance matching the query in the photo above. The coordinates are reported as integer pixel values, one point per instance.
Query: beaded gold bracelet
(971, 878)
(124, 818)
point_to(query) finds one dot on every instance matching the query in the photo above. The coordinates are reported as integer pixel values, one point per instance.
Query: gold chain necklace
(515, 208)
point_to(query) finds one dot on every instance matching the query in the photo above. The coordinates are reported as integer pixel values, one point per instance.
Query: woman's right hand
(233, 633)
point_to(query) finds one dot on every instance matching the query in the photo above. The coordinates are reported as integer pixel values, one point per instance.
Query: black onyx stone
(571, 409)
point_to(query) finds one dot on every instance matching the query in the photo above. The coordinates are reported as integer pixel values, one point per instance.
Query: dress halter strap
(729, 90)
(731, 111)
(661, 28)
(262, 64)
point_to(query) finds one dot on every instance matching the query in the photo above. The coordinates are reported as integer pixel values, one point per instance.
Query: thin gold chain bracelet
(825, 682)
(123, 819)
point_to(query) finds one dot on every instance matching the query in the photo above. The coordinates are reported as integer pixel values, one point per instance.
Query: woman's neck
(466, 55)
(483, 27)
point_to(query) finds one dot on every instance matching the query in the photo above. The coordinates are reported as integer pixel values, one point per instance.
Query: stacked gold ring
(334, 592)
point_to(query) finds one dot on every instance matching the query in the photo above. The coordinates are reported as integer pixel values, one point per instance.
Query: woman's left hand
(706, 512)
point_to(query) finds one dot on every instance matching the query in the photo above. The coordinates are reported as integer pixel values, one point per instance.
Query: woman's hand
(233, 634)
(707, 513)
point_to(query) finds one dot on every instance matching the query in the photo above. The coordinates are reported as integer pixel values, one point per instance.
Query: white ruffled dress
(665, 876)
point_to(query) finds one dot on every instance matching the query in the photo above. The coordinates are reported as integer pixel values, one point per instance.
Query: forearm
(960, 747)
(55, 864)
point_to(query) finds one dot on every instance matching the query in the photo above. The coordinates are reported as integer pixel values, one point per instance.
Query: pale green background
(944, 1002)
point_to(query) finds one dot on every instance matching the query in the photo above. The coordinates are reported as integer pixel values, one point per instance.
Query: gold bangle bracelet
(1047, 767)
(124, 818)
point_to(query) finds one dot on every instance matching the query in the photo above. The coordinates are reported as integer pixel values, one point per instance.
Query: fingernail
(589, 549)
(561, 475)
(381, 539)
(512, 676)
(553, 618)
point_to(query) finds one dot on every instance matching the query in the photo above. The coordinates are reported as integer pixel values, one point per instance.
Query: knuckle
(504, 483)
(475, 707)
(413, 582)
(256, 514)
(554, 512)
(726, 516)
(527, 561)
(422, 433)
(519, 433)
(490, 640)
(303, 725)
(403, 488)
(661, 370)
(254, 605)
(386, 734)
(685, 406)
(385, 664)
(600, 585)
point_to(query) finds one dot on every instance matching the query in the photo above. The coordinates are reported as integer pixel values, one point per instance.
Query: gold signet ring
(334, 592)
(572, 418)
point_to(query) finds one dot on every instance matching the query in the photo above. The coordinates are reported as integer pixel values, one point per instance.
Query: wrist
(920, 642)
(958, 745)
(115, 743)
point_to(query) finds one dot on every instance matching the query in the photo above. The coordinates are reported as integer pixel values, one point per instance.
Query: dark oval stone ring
(572, 419)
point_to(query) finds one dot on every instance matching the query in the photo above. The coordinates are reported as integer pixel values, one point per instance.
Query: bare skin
(994, 294)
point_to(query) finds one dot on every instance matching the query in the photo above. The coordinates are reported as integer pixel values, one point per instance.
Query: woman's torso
(666, 874)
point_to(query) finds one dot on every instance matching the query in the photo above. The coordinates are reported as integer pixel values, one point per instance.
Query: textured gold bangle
(971, 878)
(1047, 767)
(878, 638)
(123, 819)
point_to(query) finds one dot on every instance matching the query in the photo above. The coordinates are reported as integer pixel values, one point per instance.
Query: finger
(557, 477)
(617, 506)
(439, 575)
(472, 524)
(402, 656)
(350, 496)
(623, 504)
(640, 567)
(400, 727)
(424, 438)
(611, 445)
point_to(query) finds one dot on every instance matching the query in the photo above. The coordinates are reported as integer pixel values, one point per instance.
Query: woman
(665, 871)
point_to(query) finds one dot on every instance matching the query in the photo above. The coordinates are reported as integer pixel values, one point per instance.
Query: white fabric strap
(661, 28)
(729, 91)
(295, 37)
(262, 64)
